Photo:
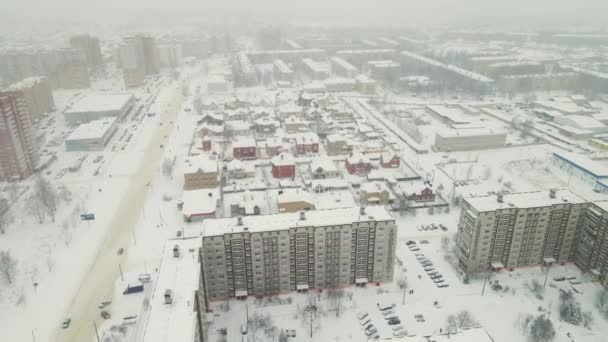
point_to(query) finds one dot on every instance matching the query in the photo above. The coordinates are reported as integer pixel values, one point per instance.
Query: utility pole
(96, 332)
(121, 275)
(547, 275)
(404, 288)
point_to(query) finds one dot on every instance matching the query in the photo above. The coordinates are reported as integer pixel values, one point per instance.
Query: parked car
(369, 327)
(362, 315)
(397, 327)
(399, 333)
(371, 332)
(105, 314)
(394, 322)
(438, 280)
(365, 322)
(443, 285)
(428, 268)
(390, 318)
(414, 249)
(435, 276)
(388, 312)
(120, 251)
(410, 242)
(424, 242)
(104, 304)
(66, 323)
(386, 307)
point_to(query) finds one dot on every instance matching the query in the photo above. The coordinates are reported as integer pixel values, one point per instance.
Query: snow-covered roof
(200, 202)
(452, 114)
(374, 187)
(203, 162)
(356, 158)
(334, 199)
(584, 163)
(523, 200)
(244, 141)
(95, 129)
(283, 221)
(175, 322)
(469, 132)
(324, 164)
(463, 72)
(238, 125)
(343, 63)
(564, 107)
(306, 138)
(101, 103)
(283, 159)
(290, 195)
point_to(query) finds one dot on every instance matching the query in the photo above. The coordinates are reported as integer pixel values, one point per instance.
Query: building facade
(522, 229)
(16, 147)
(262, 255)
(91, 48)
(38, 95)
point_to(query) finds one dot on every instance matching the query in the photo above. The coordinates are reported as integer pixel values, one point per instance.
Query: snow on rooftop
(523, 200)
(469, 132)
(283, 221)
(203, 162)
(453, 68)
(589, 165)
(175, 321)
(200, 202)
(452, 114)
(283, 159)
(95, 129)
(101, 103)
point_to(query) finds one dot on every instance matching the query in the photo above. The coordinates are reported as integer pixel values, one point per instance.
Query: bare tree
(536, 288)
(336, 299)
(47, 195)
(8, 266)
(35, 208)
(463, 319)
(5, 216)
(569, 308)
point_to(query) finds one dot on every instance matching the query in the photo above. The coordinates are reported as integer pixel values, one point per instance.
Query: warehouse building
(582, 170)
(92, 136)
(97, 106)
(271, 254)
(454, 139)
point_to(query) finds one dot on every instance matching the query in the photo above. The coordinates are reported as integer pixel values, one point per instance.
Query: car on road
(443, 285)
(105, 314)
(424, 242)
(416, 249)
(394, 321)
(435, 276)
(371, 332)
(428, 268)
(397, 327)
(369, 326)
(388, 312)
(66, 323)
(362, 315)
(365, 322)
(399, 333)
(438, 280)
(410, 242)
(390, 318)
(386, 307)
(104, 304)
(120, 251)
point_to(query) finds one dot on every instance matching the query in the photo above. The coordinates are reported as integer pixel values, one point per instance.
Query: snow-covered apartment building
(520, 229)
(270, 254)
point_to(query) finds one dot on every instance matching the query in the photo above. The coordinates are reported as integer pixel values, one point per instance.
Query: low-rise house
(211, 118)
(274, 146)
(266, 125)
(244, 147)
(199, 204)
(322, 168)
(357, 163)
(294, 200)
(389, 160)
(376, 193)
(338, 144)
(418, 192)
(238, 127)
(295, 125)
(238, 169)
(283, 166)
(201, 172)
(211, 130)
(246, 204)
(307, 143)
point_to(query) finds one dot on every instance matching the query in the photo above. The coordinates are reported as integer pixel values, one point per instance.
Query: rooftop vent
(499, 198)
(552, 193)
(239, 221)
(302, 216)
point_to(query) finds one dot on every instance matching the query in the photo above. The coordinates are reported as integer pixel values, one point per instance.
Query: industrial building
(340, 67)
(519, 229)
(271, 254)
(582, 170)
(313, 69)
(92, 136)
(539, 82)
(16, 146)
(97, 106)
(455, 139)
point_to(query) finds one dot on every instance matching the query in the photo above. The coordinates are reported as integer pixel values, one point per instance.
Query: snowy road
(98, 283)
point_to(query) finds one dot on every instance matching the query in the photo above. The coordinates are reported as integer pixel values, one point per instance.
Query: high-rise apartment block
(138, 57)
(519, 229)
(38, 95)
(16, 150)
(270, 254)
(91, 48)
(592, 240)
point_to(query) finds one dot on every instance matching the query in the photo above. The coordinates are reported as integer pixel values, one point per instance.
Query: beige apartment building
(16, 148)
(202, 172)
(520, 229)
(271, 254)
(38, 95)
